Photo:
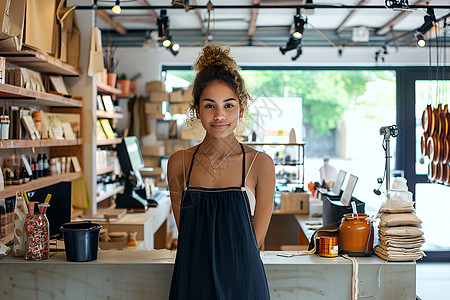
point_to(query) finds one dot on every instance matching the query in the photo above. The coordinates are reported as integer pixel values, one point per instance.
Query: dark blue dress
(218, 255)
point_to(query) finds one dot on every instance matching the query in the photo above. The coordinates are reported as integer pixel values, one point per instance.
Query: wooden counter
(147, 274)
(145, 224)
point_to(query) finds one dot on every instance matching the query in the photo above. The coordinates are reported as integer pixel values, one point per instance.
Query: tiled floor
(433, 281)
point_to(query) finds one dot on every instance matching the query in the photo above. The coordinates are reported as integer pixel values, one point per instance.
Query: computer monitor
(130, 159)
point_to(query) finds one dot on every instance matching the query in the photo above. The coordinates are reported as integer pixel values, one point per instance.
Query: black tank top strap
(192, 163)
(243, 165)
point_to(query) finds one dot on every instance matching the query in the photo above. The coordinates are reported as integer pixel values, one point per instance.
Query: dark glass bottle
(40, 164)
(45, 165)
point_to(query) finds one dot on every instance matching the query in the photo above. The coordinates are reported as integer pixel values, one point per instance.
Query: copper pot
(427, 120)
(356, 235)
(423, 144)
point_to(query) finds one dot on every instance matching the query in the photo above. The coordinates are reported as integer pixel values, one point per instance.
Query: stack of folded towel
(399, 232)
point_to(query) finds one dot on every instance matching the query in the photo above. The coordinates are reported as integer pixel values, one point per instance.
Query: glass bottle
(37, 244)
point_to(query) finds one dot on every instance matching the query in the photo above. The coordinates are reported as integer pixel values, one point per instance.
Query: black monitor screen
(134, 153)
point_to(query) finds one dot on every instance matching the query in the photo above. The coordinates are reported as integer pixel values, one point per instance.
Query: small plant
(123, 76)
(109, 59)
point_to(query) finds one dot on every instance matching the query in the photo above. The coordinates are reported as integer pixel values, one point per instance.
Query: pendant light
(116, 8)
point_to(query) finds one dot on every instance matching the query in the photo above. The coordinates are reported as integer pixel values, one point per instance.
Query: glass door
(432, 137)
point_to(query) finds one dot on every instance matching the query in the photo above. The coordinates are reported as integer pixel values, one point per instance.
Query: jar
(356, 235)
(36, 227)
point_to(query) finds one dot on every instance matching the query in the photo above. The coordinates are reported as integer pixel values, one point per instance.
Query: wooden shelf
(10, 190)
(40, 62)
(107, 89)
(109, 142)
(18, 93)
(106, 195)
(14, 144)
(108, 115)
(105, 170)
(274, 144)
(7, 239)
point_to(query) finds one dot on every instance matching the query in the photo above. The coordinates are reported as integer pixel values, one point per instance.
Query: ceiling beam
(152, 11)
(254, 17)
(199, 17)
(388, 26)
(116, 25)
(350, 15)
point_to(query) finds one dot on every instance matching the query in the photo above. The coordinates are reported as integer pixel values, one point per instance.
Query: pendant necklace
(214, 168)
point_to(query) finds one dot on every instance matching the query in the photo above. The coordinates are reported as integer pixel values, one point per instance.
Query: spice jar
(356, 235)
(36, 228)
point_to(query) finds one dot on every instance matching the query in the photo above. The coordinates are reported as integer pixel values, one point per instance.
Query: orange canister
(356, 235)
(329, 246)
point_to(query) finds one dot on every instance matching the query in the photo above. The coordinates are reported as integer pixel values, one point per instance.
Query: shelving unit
(50, 102)
(107, 115)
(105, 170)
(106, 195)
(106, 89)
(299, 163)
(109, 142)
(10, 190)
(16, 144)
(40, 62)
(47, 99)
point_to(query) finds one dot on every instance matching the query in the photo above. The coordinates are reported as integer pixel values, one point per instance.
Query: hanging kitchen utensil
(423, 144)
(439, 172)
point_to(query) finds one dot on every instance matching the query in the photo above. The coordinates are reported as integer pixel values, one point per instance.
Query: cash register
(134, 197)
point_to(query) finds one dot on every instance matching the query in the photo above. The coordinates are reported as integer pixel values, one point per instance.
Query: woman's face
(219, 109)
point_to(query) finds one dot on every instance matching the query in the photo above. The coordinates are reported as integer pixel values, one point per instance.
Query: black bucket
(81, 240)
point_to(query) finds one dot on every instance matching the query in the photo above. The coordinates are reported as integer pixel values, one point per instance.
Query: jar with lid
(356, 235)
(36, 227)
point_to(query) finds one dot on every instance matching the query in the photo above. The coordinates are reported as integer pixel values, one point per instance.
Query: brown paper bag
(12, 15)
(96, 54)
(68, 30)
(40, 21)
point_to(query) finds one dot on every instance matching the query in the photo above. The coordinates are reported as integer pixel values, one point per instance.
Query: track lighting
(397, 4)
(174, 48)
(163, 24)
(420, 39)
(116, 8)
(299, 25)
(291, 45)
(167, 42)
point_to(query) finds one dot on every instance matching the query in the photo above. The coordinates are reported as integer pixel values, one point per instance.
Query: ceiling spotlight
(299, 25)
(163, 24)
(420, 39)
(429, 21)
(116, 8)
(175, 47)
(291, 45)
(166, 43)
(299, 52)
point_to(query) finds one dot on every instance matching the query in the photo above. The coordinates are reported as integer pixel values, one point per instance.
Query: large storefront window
(337, 113)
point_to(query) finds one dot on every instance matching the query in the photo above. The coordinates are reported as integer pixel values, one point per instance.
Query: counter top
(118, 257)
(138, 274)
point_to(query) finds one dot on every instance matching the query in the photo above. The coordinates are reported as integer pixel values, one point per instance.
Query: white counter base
(147, 275)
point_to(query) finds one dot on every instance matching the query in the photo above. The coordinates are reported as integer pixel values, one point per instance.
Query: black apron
(218, 255)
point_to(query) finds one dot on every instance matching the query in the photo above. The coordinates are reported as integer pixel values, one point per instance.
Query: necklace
(214, 168)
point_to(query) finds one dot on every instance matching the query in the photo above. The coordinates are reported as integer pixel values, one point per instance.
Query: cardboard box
(155, 86)
(158, 97)
(177, 96)
(178, 108)
(187, 94)
(153, 150)
(151, 161)
(153, 108)
(295, 202)
(173, 145)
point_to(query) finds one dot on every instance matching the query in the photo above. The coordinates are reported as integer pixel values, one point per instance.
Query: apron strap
(243, 165)
(190, 168)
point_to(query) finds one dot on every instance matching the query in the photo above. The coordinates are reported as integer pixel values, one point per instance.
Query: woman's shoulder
(177, 157)
(261, 159)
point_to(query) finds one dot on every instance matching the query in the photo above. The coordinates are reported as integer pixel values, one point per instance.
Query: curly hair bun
(213, 55)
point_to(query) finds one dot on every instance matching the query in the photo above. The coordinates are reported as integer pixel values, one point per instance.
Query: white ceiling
(272, 25)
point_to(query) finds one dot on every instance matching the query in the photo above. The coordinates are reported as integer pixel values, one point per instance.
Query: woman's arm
(264, 192)
(175, 180)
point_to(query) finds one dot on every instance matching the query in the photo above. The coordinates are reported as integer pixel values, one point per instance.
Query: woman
(215, 188)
